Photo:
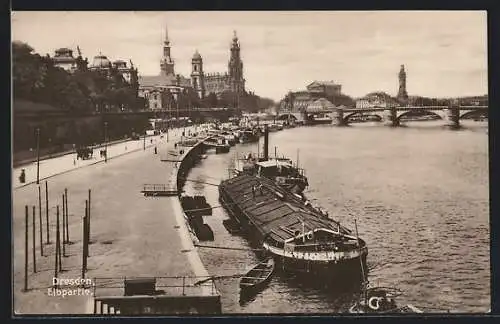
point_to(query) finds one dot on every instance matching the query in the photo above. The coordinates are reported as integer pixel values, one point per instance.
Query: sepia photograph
(250, 162)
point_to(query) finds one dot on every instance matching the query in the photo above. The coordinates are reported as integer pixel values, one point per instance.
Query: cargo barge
(280, 170)
(301, 240)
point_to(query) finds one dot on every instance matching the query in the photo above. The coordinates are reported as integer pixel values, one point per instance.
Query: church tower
(402, 94)
(235, 67)
(197, 76)
(166, 63)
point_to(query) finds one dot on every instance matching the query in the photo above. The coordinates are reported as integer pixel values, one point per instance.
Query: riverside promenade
(130, 235)
(67, 162)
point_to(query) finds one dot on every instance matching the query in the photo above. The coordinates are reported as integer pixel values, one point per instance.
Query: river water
(420, 196)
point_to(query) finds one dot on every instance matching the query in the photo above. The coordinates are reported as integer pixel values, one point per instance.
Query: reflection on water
(420, 195)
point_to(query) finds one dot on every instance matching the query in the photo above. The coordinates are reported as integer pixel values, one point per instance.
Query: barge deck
(300, 237)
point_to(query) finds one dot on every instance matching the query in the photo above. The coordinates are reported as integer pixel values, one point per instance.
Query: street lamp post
(144, 145)
(106, 142)
(38, 155)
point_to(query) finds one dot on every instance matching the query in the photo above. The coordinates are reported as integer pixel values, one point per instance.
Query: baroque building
(103, 65)
(197, 75)
(64, 59)
(162, 91)
(300, 100)
(232, 80)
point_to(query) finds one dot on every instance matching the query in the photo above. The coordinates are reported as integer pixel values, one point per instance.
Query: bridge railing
(172, 286)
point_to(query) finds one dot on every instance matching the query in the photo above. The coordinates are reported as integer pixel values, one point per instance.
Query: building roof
(101, 61)
(64, 50)
(163, 81)
(157, 80)
(321, 104)
(323, 83)
(196, 55)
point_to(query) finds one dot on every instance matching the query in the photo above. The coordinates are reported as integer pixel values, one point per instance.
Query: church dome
(196, 56)
(101, 61)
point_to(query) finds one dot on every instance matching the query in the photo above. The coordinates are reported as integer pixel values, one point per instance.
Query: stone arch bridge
(451, 115)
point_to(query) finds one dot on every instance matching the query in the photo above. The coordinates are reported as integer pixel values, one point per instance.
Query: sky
(444, 52)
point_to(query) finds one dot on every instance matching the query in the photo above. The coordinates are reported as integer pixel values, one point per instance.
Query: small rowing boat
(231, 226)
(380, 300)
(256, 278)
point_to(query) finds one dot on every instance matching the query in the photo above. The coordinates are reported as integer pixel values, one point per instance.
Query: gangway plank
(159, 190)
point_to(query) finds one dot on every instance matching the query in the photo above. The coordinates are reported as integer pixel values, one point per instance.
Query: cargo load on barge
(300, 239)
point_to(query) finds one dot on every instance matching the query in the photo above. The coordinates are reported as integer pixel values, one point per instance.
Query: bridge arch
(361, 113)
(473, 113)
(286, 116)
(440, 114)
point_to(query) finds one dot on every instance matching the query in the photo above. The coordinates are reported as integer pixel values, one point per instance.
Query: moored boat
(301, 240)
(229, 137)
(231, 226)
(380, 300)
(249, 136)
(319, 120)
(257, 277)
(219, 143)
(273, 127)
(279, 169)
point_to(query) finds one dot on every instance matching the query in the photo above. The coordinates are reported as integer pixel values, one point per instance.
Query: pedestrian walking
(22, 176)
(253, 191)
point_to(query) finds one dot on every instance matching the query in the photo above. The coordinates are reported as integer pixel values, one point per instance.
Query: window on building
(156, 105)
(195, 68)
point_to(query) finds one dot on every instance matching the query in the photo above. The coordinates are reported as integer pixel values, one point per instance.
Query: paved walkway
(131, 235)
(68, 162)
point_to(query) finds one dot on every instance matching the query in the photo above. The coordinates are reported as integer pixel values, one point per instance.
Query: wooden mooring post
(26, 249)
(34, 240)
(40, 218)
(85, 241)
(47, 211)
(58, 241)
(67, 215)
(63, 226)
(88, 221)
(56, 253)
